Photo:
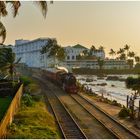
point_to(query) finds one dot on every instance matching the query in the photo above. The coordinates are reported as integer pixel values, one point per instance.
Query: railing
(9, 115)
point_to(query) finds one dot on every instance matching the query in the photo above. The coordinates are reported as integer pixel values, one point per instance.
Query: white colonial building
(74, 51)
(29, 51)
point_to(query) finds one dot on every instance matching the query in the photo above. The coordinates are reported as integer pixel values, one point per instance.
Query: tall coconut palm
(120, 51)
(131, 54)
(122, 56)
(92, 49)
(52, 49)
(112, 53)
(15, 7)
(137, 59)
(100, 63)
(126, 48)
(101, 48)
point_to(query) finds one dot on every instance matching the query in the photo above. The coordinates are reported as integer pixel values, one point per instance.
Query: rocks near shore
(115, 78)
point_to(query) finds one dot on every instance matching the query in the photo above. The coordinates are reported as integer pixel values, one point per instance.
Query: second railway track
(115, 127)
(70, 128)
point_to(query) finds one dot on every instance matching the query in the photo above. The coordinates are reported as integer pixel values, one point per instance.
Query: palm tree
(52, 49)
(7, 61)
(131, 54)
(2, 32)
(137, 59)
(120, 51)
(112, 53)
(122, 56)
(126, 48)
(100, 63)
(101, 48)
(92, 49)
(15, 7)
(130, 63)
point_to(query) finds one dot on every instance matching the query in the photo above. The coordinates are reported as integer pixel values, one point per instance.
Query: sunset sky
(110, 24)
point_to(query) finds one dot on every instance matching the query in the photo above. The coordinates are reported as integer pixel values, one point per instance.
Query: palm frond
(43, 6)
(15, 7)
(3, 11)
(2, 32)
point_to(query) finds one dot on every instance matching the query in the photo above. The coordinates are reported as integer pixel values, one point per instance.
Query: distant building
(29, 51)
(93, 64)
(74, 51)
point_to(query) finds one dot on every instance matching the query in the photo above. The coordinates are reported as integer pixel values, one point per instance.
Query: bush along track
(33, 120)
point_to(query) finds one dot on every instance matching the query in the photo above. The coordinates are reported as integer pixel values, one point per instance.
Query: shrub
(124, 112)
(27, 100)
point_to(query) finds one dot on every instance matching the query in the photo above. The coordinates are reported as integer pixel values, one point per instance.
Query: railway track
(70, 129)
(111, 124)
(67, 124)
(97, 123)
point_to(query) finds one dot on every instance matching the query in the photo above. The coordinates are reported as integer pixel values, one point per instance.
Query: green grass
(33, 123)
(4, 104)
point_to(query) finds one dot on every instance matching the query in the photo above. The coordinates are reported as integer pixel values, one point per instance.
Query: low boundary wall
(9, 115)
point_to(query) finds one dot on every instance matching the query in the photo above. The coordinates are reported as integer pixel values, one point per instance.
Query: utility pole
(127, 101)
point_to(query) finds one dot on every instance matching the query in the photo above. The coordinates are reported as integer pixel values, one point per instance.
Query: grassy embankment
(33, 120)
(4, 104)
(111, 71)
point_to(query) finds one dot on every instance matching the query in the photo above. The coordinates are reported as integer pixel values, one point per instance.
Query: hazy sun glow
(110, 24)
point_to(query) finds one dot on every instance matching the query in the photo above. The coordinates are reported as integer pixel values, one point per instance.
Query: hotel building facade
(30, 54)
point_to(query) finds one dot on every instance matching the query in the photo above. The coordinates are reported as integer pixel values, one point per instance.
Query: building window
(68, 57)
(73, 57)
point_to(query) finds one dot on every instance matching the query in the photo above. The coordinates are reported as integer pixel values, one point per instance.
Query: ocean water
(117, 92)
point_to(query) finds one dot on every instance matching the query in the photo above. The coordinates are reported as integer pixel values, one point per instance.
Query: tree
(130, 63)
(122, 56)
(137, 59)
(120, 51)
(15, 7)
(100, 63)
(112, 53)
(101, 48)
(92, 49)
(131, 54)
(7, 61)
(126, 48)
(52, 49)
(134, 84)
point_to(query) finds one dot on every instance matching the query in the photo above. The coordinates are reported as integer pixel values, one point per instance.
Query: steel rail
(133, 135)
